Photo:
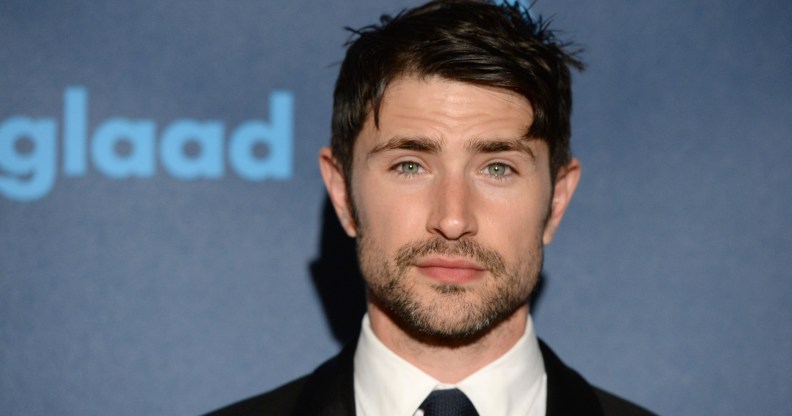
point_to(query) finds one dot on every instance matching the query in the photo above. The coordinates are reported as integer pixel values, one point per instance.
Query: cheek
(388, 217)
(513, 225)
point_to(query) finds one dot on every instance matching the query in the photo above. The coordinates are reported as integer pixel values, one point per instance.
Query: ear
(333, 177)
(566, 182)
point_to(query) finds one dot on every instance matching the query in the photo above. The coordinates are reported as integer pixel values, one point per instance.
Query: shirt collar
(514, 384)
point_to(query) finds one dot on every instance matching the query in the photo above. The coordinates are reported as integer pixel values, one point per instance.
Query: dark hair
(470, 41)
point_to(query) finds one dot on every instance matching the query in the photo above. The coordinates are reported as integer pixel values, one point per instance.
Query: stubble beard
(447, 314)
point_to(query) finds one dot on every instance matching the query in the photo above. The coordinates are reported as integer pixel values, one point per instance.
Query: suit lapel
(567, 392)
(330, 390)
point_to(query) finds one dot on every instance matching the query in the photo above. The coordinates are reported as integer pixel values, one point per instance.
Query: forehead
(446, 109)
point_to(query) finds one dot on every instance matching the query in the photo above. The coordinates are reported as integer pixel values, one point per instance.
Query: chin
(452, 317)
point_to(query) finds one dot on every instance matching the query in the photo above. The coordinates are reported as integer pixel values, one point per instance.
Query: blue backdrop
(164, 248)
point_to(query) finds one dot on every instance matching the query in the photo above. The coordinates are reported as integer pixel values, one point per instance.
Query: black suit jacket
(329, 391)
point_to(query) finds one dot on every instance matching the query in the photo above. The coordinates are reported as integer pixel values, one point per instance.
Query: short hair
(476, 42)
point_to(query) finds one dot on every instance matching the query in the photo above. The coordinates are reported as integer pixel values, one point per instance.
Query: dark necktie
(451, 402)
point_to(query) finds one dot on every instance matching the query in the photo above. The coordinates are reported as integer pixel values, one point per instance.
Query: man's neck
(448, 364)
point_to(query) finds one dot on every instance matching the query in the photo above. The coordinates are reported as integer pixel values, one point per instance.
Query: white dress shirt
(386, 385)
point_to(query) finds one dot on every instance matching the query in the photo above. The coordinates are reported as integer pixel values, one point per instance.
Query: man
(450, 165)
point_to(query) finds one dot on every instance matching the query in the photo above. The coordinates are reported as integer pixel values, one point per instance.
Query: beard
(447, 314)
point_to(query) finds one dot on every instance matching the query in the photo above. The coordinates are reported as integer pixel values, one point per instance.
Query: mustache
(465, 247)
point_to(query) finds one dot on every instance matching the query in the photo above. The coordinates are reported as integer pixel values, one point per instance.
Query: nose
(452, 210)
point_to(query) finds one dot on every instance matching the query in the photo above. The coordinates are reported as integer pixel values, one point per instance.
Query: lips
(450, 271)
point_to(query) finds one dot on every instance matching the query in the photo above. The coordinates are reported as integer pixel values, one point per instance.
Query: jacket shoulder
(329, 390)
(280, 401)
(568, 393)
(613, 405)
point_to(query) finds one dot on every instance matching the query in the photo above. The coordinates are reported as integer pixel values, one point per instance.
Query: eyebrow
(419, 144)
(501, 145)
(434, 146)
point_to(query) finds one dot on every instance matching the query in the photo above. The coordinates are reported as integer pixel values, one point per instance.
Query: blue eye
(498, 169)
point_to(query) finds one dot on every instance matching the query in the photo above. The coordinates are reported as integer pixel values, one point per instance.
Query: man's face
(453, 206)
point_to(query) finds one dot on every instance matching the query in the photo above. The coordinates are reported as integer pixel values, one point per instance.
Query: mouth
(450, 271)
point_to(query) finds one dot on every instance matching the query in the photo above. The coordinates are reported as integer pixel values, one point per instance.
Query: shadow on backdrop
(340, 286)
(337, 279)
